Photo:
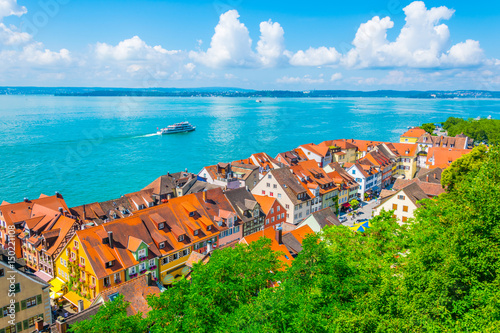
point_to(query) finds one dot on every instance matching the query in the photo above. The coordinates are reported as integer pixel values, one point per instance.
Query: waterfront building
(290, 158)
(412, 135)
(321, 154)
(171, 185)
(427, 141)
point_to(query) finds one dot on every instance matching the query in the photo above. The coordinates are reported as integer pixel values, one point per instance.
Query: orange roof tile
(415, 132)
(266, 203)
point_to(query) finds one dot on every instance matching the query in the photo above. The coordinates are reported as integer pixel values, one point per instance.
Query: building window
(394, 207)
(401, 197)
(30, 302)
(17, 288)
(175, 256)
(82, 261)
(151, 262)
(185, 252)
(271, 194)
(269, 176)
(117, 277)
(164, 261)
(268, 184)
(181, 238)
(279, 195)
(275, 186)
(162, 245)
(263, 192)
(76, 244)
(405, 208)
(267, 221)
(142, 253)
(142, 266)
(405, 219)
(106, 281)
(131, 270)
(161, 225)
(196, 233)
(278, 208)
(287, 206)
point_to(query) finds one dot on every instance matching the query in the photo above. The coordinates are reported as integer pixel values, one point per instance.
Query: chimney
(61, 325)
(80, 305)
(186, 170)
(84, 213)
(427, 178)
(26, 199)
(39, 324)
(110, 238)
(279, 235)
(58, 195)
(205, 195)
(60, 209)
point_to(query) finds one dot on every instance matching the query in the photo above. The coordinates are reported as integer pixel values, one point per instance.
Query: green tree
(460, 168)
(111, 318)
(428, 127)
(354, 203)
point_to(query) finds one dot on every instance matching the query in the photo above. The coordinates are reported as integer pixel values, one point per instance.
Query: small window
(151, 262)
(269, 176)
(263, 192)
(404, 219)
(209, 227)
(279, 195)
(181, 238)
(30, 302)
(76, 244)
(196, 233)
(268, 184)
(162, 245)
(405, 208)
(142, 253)
(161, 225)
(394, 207)
(401, 197)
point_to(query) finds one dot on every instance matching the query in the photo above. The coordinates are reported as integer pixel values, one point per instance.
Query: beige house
(25, 299)
(402, 202)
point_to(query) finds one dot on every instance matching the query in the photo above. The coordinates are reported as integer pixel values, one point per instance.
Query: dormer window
(181, 238)
(209, 227)
(161, 225)
(162, 245)
(109, 264)
(191, 214)
(196, 233)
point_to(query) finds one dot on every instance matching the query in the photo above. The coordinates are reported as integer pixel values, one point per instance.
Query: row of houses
(159, 231)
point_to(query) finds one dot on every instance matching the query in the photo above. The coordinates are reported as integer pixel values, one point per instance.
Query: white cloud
(336, 77)
(464, 54)
(189, 66)
(271, 45)
(305, 79)
(10, 7)
(231, 45)
(315, 57)
(132, 49)
(422, 42)
(10, 36)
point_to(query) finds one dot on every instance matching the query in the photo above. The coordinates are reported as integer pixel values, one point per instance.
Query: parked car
(342, 219)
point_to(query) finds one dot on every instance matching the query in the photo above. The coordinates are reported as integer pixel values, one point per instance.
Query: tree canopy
(483, 130)
(437, 273)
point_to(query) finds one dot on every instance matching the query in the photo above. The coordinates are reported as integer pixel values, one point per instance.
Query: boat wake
(146, 135)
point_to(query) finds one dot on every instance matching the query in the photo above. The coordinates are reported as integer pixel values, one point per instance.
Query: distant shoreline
(236, 92)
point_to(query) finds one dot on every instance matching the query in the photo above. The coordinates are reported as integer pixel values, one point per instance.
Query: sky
(291, 45)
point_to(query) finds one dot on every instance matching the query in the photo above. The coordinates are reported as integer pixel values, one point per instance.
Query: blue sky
(362, 45)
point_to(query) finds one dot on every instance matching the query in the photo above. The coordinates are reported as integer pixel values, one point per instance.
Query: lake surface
(98, 148)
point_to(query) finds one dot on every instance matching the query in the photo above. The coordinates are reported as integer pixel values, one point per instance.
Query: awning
(44, 276)
(346, 205)
(73, 298)
(168, 279)
(56, 285)
(185, 270)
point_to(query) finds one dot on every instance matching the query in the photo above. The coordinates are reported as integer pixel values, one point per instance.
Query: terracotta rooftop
(415, 132)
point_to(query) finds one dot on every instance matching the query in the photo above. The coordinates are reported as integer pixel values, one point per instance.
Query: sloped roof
(266, 203)
(325, 217)
(415, 132)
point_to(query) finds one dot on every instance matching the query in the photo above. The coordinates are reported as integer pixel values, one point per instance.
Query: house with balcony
(103, 256)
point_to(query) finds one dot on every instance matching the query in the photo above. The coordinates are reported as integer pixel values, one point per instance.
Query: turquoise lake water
(98, 148)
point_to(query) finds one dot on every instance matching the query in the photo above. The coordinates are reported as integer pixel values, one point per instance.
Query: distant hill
(238, 92)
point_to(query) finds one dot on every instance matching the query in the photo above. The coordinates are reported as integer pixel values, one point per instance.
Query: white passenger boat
(177, 128)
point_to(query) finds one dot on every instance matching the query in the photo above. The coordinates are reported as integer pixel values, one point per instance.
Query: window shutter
(23, 305)
(19, 326)
(17, 306)
(25, 324)
(38, 299)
